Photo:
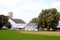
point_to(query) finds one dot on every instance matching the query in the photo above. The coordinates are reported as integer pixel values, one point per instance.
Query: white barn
(17, 24)
(31, 27)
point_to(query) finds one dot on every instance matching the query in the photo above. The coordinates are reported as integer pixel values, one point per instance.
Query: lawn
(15, 35)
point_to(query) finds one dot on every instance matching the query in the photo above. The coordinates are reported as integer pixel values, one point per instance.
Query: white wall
(31, 28)
(21, 25)
(58, 25)
(16, 25)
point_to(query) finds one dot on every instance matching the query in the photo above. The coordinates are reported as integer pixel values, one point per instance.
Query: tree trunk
(39, 28)
(48, 29)
(42, 29)
(54, 29)
(0, 28)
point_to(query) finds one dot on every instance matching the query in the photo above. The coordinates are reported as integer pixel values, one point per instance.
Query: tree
(8, 24)
(42, 19)
(3, 20)
(34, 20)
(48, 18)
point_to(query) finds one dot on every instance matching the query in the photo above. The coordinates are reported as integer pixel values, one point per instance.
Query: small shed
(4, 27)
(31, 27)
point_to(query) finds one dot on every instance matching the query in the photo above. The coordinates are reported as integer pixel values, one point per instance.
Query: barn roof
(18, 20)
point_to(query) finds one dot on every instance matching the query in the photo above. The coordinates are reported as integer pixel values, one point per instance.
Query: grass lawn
(15, 35)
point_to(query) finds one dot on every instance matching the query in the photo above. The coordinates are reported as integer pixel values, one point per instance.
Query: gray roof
(31, 24)
(18, 21)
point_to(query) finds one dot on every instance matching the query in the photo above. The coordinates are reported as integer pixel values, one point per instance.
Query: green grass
(14, 35)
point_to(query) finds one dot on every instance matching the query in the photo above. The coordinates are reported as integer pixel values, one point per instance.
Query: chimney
(10, 15)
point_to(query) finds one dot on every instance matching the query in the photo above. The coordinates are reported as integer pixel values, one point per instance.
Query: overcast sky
(27, 9)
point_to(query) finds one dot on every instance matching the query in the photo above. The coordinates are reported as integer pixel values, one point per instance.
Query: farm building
(58, 26)
(16, 23)
(31, 27)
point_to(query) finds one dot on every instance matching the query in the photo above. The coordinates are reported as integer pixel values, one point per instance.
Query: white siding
(58, 25)
(16, 25)
(31, 27)
(21, 25)
(12, 23)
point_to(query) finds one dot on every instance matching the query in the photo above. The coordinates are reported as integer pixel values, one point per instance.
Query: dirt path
(51, 33)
